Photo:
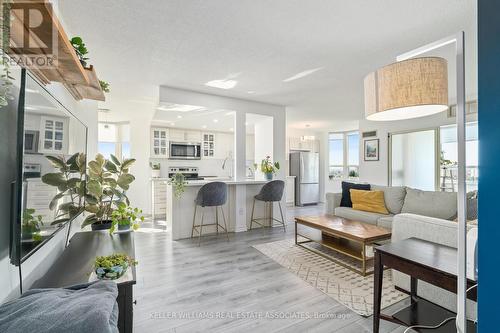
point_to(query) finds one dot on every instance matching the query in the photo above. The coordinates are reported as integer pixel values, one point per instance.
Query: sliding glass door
(413, 160)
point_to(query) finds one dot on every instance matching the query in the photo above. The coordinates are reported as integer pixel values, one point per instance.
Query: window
(114, 139)
(343, 151)
(448, 157)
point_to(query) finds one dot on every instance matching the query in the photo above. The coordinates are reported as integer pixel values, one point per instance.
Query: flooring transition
(231, 287)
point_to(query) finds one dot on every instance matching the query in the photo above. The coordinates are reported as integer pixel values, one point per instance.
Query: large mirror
(54, 154)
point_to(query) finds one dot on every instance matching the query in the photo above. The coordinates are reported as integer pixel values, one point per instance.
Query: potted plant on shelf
(155, 169)
(80, 50)
(269, 168)
(30, 226)
(113, 266)
(125, 217)
(104, 86)
(178, 182)
(106, 185)
(70, 180)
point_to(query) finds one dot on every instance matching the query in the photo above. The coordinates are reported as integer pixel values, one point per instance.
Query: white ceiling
(140, 45)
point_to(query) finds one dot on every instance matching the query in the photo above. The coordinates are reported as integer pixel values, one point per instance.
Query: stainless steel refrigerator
(305, 167)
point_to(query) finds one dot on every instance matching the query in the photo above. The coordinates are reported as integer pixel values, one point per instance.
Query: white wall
(376, 172)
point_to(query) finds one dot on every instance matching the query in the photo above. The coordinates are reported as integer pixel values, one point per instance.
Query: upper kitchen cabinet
(296, 143)
(208, 145)
(181, 135)
(159, 142)
(53, 135)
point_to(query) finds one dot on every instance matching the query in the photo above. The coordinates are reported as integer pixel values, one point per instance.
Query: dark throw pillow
(346, 193)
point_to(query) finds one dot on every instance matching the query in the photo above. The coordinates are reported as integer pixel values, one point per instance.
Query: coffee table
(343, 236)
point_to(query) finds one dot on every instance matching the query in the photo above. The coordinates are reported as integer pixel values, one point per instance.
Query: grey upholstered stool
(210, 195)
(269, 193)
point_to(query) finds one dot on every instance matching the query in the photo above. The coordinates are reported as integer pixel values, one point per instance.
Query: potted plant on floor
(113, 266)
(125, 217)
(269, 168)
(107, 182)
(30, 226)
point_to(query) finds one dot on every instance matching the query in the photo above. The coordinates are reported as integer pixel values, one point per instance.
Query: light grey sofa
(398, 199)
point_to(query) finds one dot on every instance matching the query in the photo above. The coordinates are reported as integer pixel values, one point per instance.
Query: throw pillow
(394, 197)
(346, 195)
(369, 201)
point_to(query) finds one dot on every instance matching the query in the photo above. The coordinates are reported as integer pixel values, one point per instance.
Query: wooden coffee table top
(349, 229)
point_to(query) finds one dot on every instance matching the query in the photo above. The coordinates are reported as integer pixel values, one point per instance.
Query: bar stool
(269, 193)
(213, 194)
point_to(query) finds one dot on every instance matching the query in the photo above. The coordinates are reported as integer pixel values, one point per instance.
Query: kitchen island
(237, 210)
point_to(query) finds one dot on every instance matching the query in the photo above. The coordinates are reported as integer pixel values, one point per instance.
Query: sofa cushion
(441, 205)
(368, 201)
(385, 222)
(346, 193)
(394, 197)
(358, 215)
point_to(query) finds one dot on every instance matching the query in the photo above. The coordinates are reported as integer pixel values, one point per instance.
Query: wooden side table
(421, 260)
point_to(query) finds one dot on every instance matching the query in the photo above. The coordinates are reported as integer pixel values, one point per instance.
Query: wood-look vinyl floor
(226, 286)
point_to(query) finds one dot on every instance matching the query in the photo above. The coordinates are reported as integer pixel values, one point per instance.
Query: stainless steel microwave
(185, 150)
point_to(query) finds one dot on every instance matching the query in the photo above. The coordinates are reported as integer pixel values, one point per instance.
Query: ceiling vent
(369, 134)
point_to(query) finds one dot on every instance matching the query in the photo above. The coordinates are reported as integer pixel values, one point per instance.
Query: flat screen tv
(52, 162)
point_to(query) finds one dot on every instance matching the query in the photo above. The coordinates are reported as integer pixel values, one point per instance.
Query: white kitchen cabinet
(290, 191)
(159, 142)
(181, 135)
(176, 135)
(192, 136)
(53, 135)
(208, 147)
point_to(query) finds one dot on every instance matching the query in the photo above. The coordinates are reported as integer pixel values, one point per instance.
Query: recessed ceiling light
(216, 120)
(246, 123)
(251, 92)
(302, 74)
(307, 125)
(179, 117)
(172, 124)
(229, 113)
(179, 107)
(222, 84)
(204, 126)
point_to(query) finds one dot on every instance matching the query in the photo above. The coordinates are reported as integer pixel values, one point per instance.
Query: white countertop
(227, 181)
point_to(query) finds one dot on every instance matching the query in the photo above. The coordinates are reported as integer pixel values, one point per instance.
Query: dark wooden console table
(76, 263)
(421, 260)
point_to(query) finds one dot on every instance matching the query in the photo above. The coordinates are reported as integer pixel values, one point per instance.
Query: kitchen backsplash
(207, 167)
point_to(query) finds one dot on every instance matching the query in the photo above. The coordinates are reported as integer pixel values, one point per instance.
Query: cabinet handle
(135, 302)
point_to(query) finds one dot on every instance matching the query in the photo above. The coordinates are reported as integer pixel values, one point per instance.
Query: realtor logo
(29, 33)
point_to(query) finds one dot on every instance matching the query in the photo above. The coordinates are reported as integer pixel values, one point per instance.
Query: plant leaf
(110, 166)
(55, 199)
(114, 159)
(54, 179)
(127, 163)
(124, 180)
(57, 162)
(59, 221)
(89, 220)
(94, 188)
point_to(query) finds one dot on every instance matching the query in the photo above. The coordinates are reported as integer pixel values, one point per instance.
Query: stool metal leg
(201, 224)
(194, 219)
(225, 224)
(253, 210)
(282, 219)
(216, 221)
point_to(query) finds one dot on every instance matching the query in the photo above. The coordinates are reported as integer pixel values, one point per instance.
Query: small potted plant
(30, 227)
(155, 169)
(178, 182)
(113, 266)
(80, 50)
(125, 217)
(269, 168)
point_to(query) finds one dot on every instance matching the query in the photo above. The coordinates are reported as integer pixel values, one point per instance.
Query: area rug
(345, 286)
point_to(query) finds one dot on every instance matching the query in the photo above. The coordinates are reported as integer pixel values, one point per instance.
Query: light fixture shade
(407, 89)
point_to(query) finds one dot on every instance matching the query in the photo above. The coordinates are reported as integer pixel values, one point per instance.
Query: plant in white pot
(155, 169)
(269, 168)
(125, 217)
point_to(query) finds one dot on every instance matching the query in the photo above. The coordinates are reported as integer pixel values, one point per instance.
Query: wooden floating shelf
(81, 82)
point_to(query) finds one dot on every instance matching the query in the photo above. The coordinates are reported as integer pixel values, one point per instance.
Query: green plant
(80, 49)
(266, 166)
(112, 260)
(445, 162)
(104, 86)
(107, 181)
(178, 182)
(30, 226)
(70, 182)
(125, 215)
(155, 166)
(353, 174)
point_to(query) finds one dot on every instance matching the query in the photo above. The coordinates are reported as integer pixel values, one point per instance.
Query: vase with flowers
(269, 168)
